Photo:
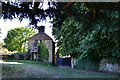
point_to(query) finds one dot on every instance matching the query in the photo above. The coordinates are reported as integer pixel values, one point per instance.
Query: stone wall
(107, 66)
(30, 44)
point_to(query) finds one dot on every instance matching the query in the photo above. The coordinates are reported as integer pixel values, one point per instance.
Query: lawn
(32, 69)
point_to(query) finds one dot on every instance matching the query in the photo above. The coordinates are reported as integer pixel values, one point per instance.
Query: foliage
(34, 11)
(88, 30)
(87, 65)
(1, 44)
(30, 10)
(16, 39)
(58, 11)
(91, 37)
(3, 50)
(43, 51)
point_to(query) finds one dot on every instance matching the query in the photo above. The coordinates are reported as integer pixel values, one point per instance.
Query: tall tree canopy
(59, 11)
(31, 10)
(93, 33)
(16, 39)
(82, 29)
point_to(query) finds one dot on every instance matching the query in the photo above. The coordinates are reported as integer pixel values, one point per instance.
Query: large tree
(94, 34)
(58, 10)
(16, 39)
(35, 12)
(84, 29)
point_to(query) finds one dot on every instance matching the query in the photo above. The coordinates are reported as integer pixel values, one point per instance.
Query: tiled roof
(40, 36)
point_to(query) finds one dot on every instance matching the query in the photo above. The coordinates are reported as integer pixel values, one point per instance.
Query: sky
(7, 25)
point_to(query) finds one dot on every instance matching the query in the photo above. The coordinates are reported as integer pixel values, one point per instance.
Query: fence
(63, 61)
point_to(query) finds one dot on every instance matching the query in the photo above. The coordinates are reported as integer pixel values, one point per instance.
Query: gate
(63, 61)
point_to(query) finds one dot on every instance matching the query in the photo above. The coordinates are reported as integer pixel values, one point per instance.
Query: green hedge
(87, 65)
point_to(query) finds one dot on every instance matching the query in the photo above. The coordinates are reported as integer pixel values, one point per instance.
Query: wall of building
(50, 49)
(49, 45)
(30, 44)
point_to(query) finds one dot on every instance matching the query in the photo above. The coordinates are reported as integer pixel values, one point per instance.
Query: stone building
(33, 48)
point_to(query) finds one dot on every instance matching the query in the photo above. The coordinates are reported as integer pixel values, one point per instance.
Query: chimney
(41, 29)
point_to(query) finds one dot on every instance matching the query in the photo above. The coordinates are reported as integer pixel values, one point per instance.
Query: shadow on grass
(33, 69)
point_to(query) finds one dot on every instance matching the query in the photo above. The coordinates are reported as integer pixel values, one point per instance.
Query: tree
(16, 39)
(3, 50)
(88, 26)
(90, 37)
(43, 51)
(34, 11)
(58, 10)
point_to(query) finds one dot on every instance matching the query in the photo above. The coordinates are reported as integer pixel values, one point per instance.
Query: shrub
(89, 65)
(43, 52)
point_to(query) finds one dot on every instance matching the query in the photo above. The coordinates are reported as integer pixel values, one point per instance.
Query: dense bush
(16, 56)
(43, 52)
(88, 65)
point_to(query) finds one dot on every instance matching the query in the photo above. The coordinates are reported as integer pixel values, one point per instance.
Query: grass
(32, 69)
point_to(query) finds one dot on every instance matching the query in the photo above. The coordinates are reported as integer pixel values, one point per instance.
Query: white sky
(7, 25)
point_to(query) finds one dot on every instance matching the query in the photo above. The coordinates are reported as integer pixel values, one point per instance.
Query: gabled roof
(40, 36)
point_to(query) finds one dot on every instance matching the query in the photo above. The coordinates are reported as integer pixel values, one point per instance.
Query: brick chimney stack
(41, 29)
